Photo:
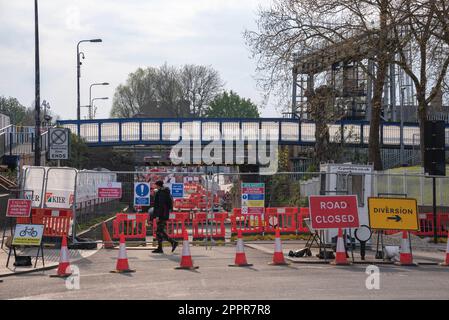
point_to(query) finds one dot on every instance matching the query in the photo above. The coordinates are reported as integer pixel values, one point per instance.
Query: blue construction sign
(177, 190)
(141, 194)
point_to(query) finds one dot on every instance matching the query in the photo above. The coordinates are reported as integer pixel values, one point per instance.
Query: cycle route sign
(28, 235)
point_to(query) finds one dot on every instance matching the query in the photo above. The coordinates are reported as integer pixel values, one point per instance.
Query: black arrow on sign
(396, 218)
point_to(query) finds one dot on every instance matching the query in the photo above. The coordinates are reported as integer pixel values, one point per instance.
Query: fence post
(421, 189)
(10, 143)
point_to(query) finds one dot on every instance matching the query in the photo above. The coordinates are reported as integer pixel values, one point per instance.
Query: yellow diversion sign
(393, 214)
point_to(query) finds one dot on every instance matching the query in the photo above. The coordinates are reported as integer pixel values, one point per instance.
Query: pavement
(156, 278)
(51, 260)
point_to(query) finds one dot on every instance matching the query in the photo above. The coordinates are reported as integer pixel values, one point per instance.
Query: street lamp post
(78, 73)
(46, 106)
(91, 106)
(37, 102)
(90, 93)
(401, 133)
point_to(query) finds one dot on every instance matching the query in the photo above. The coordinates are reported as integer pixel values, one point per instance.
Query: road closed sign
(393, 214)
(332, 212)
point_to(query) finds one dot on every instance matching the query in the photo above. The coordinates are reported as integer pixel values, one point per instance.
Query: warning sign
(393, 214)
(332, 212)
(18, 208)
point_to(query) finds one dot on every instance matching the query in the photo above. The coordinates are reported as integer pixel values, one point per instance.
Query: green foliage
(12, 108)
(231, 105)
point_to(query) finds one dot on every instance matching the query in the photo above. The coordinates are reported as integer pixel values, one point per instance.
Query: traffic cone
(240, 257)
(405, 257)
(122, 260)
(340, 254)
(107, 241)
(64, 263)
(446, 261)
(278, 257)
(186, 259)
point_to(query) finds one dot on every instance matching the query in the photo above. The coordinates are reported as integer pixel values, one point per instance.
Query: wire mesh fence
(208, 194)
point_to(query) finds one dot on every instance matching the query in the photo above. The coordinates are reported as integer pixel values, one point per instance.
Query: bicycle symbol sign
(28, 235)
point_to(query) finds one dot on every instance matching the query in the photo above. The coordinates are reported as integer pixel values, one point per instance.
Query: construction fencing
(210, 208)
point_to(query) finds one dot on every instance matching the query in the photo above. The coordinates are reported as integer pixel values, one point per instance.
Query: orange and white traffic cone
(186, 259)
(240, 256)
(405, 257)
(107, 241)
(122, 260)
(278, 256)
(64, 263)
(446, 261)
(340, 254)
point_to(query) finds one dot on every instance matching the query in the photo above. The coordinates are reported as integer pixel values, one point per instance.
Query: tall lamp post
(78, 72)
(92, 105)
(401, 133)
(90, 93)
(37, 99)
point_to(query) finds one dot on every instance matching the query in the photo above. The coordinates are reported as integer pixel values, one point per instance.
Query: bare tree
(330, 31)
(138, 92)
(426, 33)
(167, 91)
(200, 85)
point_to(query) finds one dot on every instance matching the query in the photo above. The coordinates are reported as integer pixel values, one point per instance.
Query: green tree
(12, 108)
(231, 105)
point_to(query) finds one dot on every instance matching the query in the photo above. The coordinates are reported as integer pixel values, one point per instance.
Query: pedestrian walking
(163, 205)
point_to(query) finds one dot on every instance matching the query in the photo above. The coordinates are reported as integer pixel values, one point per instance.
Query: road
(156, 278)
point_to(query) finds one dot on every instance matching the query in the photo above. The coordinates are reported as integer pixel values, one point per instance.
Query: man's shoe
(158, 251)
(174, 245)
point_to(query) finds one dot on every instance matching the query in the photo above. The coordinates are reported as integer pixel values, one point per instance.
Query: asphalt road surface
(156, 278)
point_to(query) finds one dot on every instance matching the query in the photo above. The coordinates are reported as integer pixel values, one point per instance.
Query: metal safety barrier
(133, 226)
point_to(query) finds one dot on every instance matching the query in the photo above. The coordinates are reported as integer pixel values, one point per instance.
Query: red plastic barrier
(426, 225)
(237, 212)
(209, 228)
(174, 227)
(183, 204)
(56, 221)
(303, 214)
(247, 223)
(132, 225)
(284, 218)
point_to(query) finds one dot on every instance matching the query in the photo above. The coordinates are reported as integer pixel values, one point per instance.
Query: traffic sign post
(110, 190)
(333, 212)
(393, 214)
(177, 190)
(27, 235)
(58, 144)
(253, 198)
(141, 194)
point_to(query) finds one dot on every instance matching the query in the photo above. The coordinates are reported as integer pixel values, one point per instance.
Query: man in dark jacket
(163, 204)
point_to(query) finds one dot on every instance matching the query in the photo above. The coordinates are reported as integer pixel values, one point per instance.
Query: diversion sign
(393, 214)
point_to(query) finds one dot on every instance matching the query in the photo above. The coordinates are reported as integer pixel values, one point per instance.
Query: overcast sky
(135, 33)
